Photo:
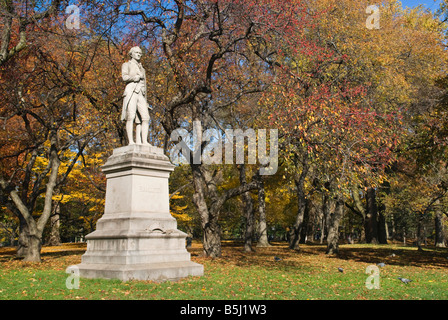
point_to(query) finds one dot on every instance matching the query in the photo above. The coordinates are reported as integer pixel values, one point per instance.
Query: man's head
(135, 53)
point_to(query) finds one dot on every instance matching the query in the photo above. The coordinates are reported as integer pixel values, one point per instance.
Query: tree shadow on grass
(280, 256)
(275, 257)
(8, 254)
(403, 256)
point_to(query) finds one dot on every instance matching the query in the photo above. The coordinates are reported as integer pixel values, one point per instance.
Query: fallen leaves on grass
(307, 274)
(54, 257)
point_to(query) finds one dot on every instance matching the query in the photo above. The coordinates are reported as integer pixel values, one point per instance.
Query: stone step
(168, 271)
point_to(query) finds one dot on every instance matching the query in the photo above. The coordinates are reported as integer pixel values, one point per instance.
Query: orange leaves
(345, 99)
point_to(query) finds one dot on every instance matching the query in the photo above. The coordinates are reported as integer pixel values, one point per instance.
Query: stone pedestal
(137, 238)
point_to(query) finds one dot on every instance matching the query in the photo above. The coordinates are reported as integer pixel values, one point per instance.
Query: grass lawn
(308, 274)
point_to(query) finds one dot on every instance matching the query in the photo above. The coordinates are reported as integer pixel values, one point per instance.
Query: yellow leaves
(98, 206)
(184, 218)
(58, 198)
(404, 47)
(180, 208)
(177, 211)
(176, 196)
(77, 195)
(40, 164)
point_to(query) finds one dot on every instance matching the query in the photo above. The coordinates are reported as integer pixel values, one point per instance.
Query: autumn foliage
(360, 114)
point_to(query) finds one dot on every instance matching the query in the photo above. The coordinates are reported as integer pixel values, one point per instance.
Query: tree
(211, 49)
(49, 125)
(17, 18)
(419, 175)
(378, 62)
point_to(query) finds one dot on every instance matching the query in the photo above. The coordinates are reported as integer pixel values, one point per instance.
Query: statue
(135, 105)
(137, 237)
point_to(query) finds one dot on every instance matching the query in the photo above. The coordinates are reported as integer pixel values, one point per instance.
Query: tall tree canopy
(360, 112)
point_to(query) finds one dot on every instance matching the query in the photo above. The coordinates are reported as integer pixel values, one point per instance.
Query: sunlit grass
(308, 274)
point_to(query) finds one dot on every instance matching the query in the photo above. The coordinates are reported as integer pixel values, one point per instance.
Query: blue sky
(430, 4)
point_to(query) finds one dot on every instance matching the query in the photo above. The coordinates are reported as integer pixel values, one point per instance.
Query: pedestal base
(158, 272)
(137, 238)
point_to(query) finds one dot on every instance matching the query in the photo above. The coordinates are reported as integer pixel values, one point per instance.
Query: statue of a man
(135, 105)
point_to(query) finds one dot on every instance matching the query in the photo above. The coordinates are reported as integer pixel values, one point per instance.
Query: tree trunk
(299, 180)
(438, 220)
(209, 220)
(210, 227)
(30, 237)
(404, 236)
(420, 231)
(387, 231)
(382, 229)
(371, 223)
(30, 240)
(362, 212)
(212, 238)
(248, 205)
(55, 238)
(312, 219)
(33, 250)
(333, 230)
(306, 222)
(262, 225)
(322, 224)
(24, 237)
(298, 224)
(327, 203)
